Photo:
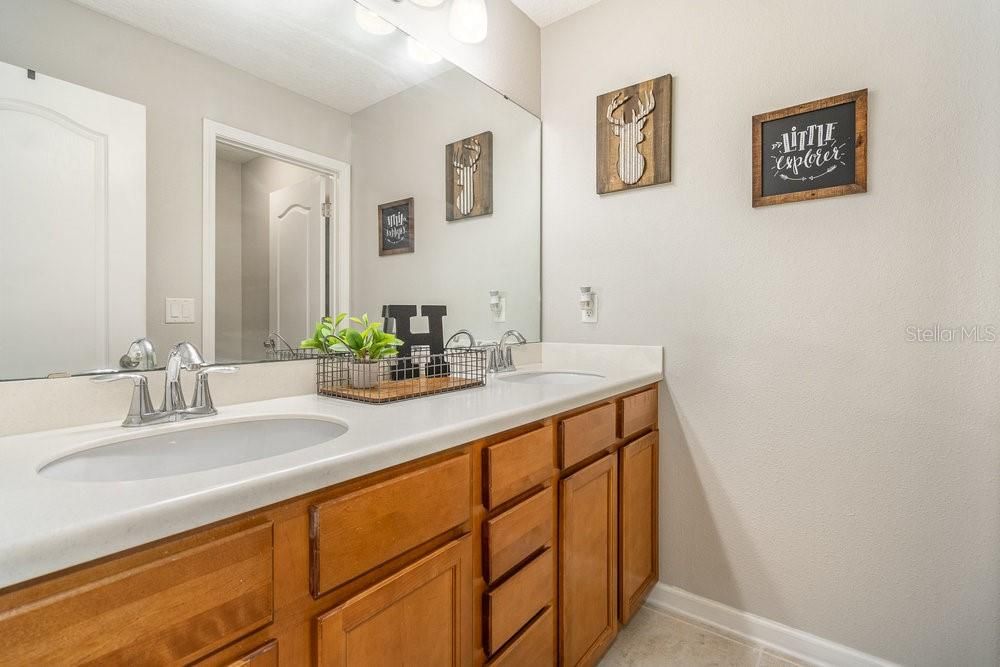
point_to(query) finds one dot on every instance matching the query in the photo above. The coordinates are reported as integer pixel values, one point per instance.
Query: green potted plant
(367, 346)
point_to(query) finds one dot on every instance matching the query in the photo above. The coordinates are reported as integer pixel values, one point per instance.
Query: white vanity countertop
(51, 524)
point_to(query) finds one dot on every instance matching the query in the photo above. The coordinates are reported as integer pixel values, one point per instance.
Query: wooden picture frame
(401, 240)
(633, 136)
(783, 181)
(469, 159)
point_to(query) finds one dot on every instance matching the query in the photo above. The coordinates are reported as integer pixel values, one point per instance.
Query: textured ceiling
(311, 47)
(544, 12)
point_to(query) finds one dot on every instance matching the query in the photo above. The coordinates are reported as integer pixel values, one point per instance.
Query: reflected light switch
(179, 311)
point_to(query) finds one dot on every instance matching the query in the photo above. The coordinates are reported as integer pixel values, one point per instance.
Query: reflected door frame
(338, 243)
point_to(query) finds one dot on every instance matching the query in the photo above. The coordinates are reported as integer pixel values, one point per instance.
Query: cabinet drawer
(164, 607)
(518, 533)
(512, 604)
(535, 647)
(358, 532)
(517, 465)
(420, 616)
(586, 434)
(264, 656)
(638, 412)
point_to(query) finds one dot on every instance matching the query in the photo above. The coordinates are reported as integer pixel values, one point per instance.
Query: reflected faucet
(271, 343)
(459, 334)
(141, 355)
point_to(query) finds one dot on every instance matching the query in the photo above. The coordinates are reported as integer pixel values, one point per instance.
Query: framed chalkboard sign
(395, 227)
(813, 150)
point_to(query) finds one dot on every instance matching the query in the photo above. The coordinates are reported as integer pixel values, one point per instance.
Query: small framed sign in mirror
(813, 150)
(395, 227)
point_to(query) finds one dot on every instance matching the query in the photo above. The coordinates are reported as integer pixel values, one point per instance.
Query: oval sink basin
(552, 377)
(191, 449)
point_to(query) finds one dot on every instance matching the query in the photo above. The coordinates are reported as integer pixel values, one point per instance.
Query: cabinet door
(421, 615)
(638, 507)
(588, 576)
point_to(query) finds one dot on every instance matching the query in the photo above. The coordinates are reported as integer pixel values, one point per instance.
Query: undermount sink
(192, 449)
(552, 377)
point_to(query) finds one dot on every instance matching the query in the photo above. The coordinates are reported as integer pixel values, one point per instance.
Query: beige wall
(398, 153)
(228, 261)
(818, 469)
(179, 89)
(261, 176)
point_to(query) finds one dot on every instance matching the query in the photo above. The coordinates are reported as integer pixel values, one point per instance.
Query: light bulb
(372, 22)
(467, 21)
(427, 3)
(421, 53)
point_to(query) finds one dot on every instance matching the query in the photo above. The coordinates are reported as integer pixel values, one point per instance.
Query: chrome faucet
(140, 411)
(183, 356)
(505, 360)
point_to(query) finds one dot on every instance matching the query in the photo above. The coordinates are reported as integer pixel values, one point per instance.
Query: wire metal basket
(289, 354)
(400, 378)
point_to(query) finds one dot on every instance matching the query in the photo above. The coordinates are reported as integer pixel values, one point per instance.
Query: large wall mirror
(227, 173)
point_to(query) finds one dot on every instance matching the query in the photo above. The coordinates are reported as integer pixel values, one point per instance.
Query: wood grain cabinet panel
(639, 569)
(513, 603)
(588, 556)
(517, 465)
(419, 617)
(518, 533)
(586, 434)
(638, 412)
(265, 656)
(534, 647)
(356, 533)
(166, 611)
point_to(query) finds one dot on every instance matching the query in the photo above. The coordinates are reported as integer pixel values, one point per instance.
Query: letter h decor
(469, 180)
(633, 136)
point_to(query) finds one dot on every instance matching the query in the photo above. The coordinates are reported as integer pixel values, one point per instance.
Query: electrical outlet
(589, 315)
(500, 314)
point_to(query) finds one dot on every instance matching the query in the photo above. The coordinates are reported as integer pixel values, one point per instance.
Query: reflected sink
(191, 449)
(552, 377)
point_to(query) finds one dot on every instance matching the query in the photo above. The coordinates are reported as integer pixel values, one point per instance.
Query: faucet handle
(139, 380)
(202, 402)
(218, 369)
(141, 407)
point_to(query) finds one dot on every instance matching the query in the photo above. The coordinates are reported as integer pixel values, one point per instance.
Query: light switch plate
(179, 311)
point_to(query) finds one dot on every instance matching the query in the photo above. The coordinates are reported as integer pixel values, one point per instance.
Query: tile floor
(655, 639)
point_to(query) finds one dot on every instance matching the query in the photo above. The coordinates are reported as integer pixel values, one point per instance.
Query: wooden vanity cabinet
(588, 576)
(419, 617)
(526, 548)
(608, 501)
(265, 656)
(638, 568)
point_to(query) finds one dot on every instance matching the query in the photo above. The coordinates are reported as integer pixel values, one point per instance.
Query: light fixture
(427, 3)
(421, 53)
(467, 21)
(372, 22)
